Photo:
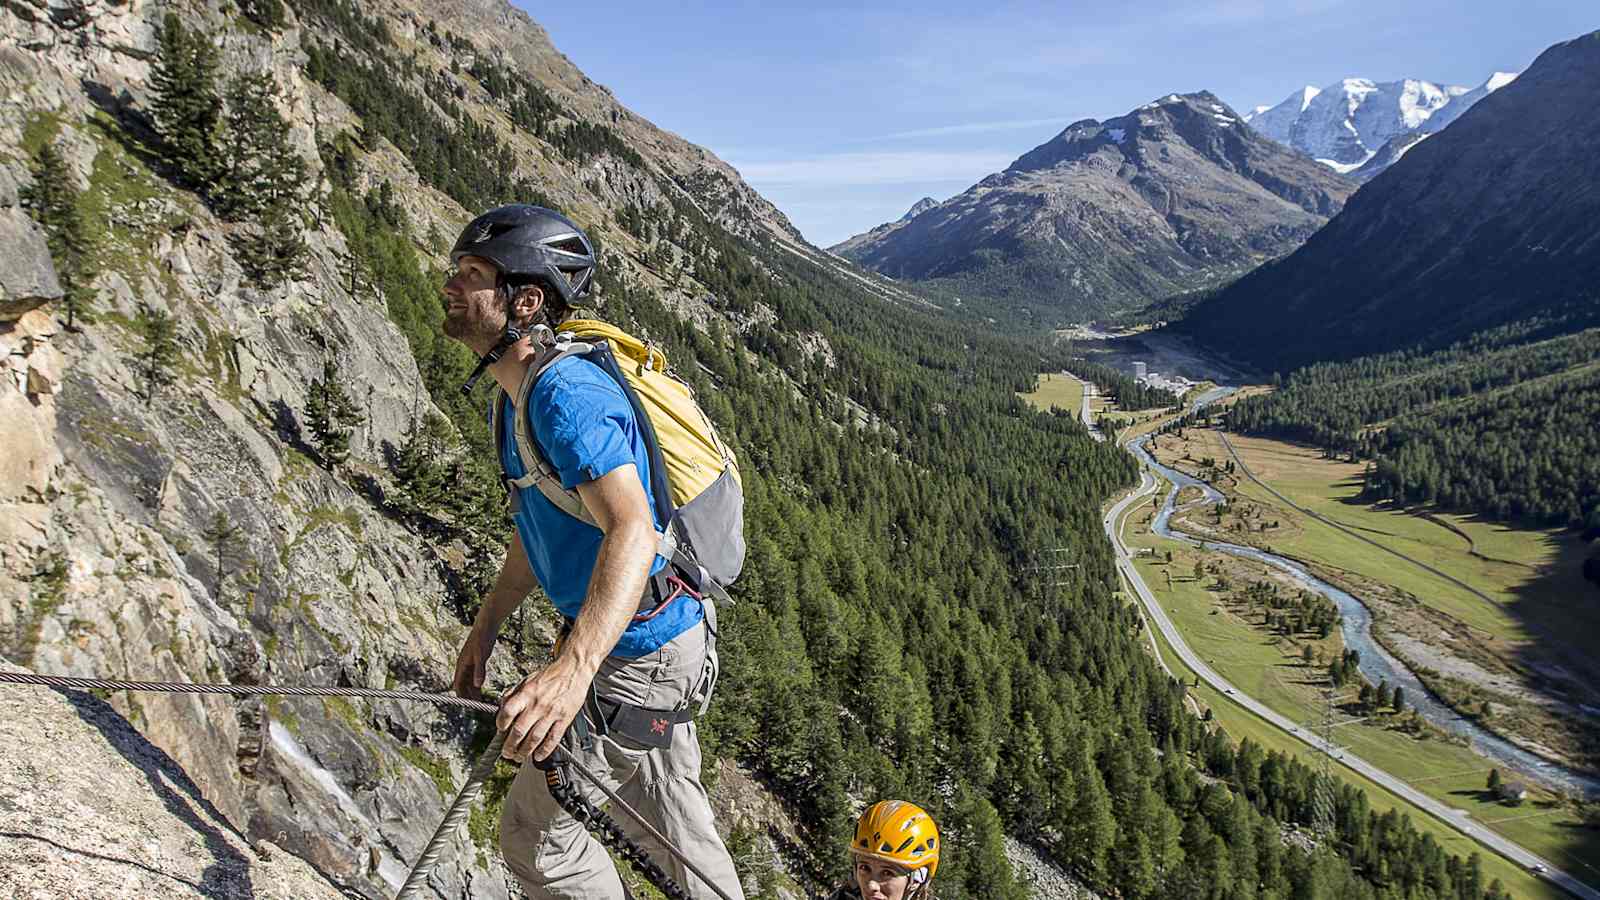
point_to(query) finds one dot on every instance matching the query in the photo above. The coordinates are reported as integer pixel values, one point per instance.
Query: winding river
(1377, 664)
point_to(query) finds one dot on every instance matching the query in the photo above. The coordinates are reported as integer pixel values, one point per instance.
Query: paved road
(1089, 393)
(1449, 816)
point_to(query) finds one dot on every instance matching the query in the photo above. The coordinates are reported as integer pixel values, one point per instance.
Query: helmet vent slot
(572, 244)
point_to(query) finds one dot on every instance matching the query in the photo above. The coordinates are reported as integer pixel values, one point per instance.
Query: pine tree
(187, 106)
(331, 415)
(158, 334)
(52, 200)
(273, 250)
(1494, 780)
(1090, 830)
(260, 168)
(269, 14)
(261, 178)
(984, 869)
(420, 468)
(1133, 864)
(872, 687)
(223, 536)
(1399, 699)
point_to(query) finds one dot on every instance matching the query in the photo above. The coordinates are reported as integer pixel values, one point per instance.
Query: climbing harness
(558, 773)
(650, 726)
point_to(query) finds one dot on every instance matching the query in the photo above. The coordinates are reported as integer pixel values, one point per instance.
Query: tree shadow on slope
(128, 126)
(1562, 610)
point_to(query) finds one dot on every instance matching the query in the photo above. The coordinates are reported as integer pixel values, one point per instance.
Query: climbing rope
(595, 820)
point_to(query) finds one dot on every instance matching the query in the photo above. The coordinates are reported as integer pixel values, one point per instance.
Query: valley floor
(1485, 614)
(1270, 666)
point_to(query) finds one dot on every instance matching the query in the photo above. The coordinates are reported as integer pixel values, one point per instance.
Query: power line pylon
(1048, 564)
(1322, 791)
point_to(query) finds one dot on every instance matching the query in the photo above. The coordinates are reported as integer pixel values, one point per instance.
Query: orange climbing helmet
(897, 832)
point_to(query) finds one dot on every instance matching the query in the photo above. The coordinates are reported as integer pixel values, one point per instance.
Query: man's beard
(475, 332)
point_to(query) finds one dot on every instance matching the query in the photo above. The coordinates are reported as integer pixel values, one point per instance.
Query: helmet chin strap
(510, 336)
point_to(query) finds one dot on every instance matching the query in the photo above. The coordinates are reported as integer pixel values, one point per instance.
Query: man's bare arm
(540, 709)
(511, 587)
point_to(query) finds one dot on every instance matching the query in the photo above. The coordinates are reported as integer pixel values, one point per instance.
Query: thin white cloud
(966, 128)
(876, 168)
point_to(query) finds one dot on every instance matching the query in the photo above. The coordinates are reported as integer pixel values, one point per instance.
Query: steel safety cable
(595, 820)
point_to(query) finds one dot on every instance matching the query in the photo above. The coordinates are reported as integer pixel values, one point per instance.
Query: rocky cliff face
(1486, 222)
(1174, 196)
(103, 566)
(105, 499)
(94, 810)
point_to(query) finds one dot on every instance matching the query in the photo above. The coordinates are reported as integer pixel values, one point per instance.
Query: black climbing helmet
(531, 243)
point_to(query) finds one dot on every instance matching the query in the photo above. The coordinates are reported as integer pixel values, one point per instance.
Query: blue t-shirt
(586, 428)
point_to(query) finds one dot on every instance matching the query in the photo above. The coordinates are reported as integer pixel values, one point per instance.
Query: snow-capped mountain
(918, 208)
(1486, 222)
(1351, 124)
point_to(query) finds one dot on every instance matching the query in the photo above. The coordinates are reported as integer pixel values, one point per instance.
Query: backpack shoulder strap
(540, 474)
(537, 470)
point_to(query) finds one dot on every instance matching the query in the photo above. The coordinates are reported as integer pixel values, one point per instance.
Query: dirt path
(1472, 546)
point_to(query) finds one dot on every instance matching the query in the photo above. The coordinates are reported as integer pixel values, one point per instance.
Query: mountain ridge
(1173, 196)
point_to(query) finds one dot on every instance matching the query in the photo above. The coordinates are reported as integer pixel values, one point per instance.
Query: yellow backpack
(694, 476)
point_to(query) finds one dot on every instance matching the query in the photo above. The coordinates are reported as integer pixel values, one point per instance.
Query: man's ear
(527, 302)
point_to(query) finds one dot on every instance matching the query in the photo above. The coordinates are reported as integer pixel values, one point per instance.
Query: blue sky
(844, 116)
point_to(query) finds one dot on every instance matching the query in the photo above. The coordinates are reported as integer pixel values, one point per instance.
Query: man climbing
(894, 854)
(638, 656)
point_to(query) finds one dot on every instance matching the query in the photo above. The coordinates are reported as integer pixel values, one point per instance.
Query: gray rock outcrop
(27, 277)
(107, 487)
(92, 809)
(105, 497)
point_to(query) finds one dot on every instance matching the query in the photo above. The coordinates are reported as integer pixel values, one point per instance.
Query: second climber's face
(881, 881)
(472, 313)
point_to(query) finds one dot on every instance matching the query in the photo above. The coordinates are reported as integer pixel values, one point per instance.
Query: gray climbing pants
(550, 852)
